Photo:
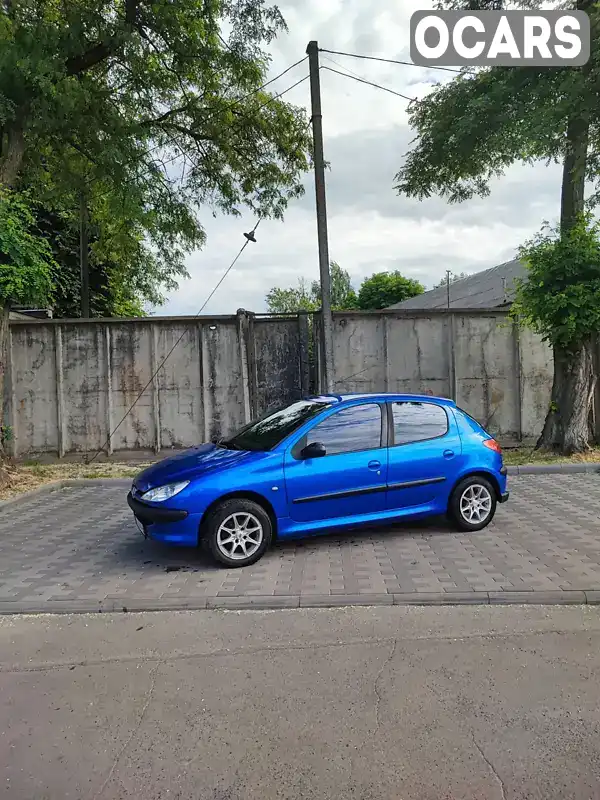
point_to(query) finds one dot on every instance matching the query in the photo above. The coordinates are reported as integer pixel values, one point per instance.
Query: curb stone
(551, 469)
(53, 486)
(270, 602)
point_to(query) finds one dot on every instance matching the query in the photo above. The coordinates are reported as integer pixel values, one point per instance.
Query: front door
(350, 479)
(424, 451)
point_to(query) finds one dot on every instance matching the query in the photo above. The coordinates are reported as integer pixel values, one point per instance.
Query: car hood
(189, 464)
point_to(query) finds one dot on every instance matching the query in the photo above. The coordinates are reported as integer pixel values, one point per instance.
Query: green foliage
(343, 296)
(288, 301)
(384, 289)
(6, 434)
(560, 298)
(470, 129)
(453, 278)
(303, 298)
(149, 110)
(26, 262)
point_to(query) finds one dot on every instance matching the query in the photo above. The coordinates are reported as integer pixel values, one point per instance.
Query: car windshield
(274, 426)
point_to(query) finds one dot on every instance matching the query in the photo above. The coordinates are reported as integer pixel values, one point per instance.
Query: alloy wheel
(239, 536)
(475, 504)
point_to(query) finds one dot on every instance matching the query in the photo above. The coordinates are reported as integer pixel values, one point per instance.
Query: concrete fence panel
(76, 386)
(71, 382)
(498, 374)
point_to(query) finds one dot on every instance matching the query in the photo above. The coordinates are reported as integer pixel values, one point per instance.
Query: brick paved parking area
(78, 549)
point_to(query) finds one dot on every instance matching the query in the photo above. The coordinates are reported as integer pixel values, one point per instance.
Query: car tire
(232, 530)
(473, 503)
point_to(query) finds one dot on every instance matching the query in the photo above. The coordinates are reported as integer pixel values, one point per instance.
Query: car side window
(349, 430)
(417, 422)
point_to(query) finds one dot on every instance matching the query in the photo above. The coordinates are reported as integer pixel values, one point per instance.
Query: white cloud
(366, 136)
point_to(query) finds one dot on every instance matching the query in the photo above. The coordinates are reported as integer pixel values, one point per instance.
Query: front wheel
(238, 532)
(473, 503)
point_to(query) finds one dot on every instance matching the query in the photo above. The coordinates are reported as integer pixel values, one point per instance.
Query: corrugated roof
(488, 289)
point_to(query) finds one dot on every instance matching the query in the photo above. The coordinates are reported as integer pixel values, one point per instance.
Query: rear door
(350, 479)
(425, 449)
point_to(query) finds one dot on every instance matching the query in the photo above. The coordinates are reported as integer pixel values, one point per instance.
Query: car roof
(383, 397)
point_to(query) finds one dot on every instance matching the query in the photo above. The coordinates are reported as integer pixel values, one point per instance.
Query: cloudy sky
(366, 132)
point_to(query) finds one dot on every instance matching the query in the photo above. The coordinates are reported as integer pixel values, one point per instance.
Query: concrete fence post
(519, 379)
(386, 354)
(109, 389)
(303, 335)
(242, 325)
(452, 356)
(252, 365)
(204, 383)
(154, 386)
(60, 395)
(9, 400)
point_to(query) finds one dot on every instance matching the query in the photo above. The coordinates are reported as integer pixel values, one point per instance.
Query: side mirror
(313, 450)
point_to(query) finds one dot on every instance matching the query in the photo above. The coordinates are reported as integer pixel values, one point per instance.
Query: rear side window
(349, 430)
(417, 422)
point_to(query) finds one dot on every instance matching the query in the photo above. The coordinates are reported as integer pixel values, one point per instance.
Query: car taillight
(492, 444)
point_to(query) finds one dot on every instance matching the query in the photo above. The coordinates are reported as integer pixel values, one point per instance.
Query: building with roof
(491, 288)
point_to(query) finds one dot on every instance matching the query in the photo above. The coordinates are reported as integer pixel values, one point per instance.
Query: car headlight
(161, 493)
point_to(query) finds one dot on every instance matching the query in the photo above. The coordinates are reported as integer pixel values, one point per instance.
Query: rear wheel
(238, 532)
(473, 503)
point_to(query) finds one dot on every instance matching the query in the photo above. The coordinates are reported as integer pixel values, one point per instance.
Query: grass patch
(30, 475)
(521, 456)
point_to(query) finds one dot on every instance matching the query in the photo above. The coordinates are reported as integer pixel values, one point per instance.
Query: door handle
(448, 453)
(374, 465)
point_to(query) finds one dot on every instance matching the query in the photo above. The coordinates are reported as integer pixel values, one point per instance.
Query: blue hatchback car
(319, 464)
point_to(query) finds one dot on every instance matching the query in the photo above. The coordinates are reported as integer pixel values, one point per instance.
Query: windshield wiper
(226, 444)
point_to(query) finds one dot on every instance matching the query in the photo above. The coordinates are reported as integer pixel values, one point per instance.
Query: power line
(370, 83)
(244, 116)
(385, 60)
(231, 105)
(249, 238)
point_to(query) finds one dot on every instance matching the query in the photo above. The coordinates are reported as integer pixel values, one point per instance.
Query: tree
(384, 289)
(287, 301)
(149, 113)
(453, 278)
(112, 293)
(566, 313)
(26, 271)
(471, 129)
(343, 296)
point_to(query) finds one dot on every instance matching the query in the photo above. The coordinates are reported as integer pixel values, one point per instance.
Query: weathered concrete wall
(70, 384)
(498, 374)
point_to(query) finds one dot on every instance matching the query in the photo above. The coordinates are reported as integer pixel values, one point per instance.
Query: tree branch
(102, 50)
(158, 120)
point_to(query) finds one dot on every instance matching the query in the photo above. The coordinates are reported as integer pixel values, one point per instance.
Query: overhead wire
(387, 60)
(372, 83)
(231, 105)
(249, 238)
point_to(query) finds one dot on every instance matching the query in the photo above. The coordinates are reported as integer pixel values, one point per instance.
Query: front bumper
(150, 515)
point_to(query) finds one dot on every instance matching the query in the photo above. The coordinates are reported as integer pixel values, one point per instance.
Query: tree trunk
(12, 159)
(567, 425)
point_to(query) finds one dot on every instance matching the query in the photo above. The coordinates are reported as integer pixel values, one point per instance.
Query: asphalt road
(405, 703)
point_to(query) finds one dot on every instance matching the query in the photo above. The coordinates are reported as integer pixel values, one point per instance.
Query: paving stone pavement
(79, 546)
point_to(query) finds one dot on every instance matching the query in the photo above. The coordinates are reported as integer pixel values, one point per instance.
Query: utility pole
(84, 257)
(448, 273)
(317, 126)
